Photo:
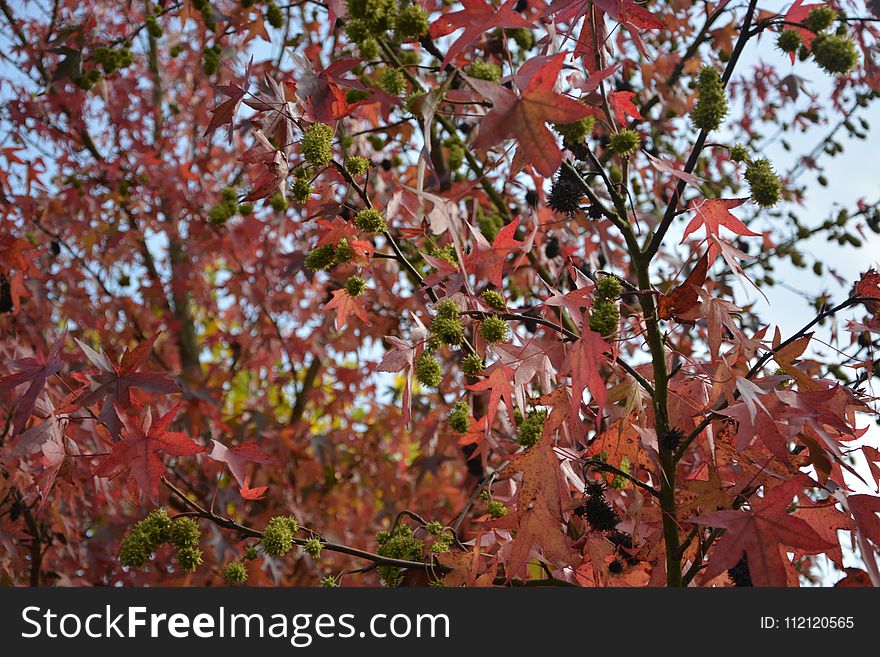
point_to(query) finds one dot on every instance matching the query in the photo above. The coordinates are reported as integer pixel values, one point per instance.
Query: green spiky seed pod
(576, 132)
(392, 82)
(739, 153)
(449, 330)
(235, 573)
(454, 154)
(210, 60)
(353, 96)
(185, 533)
(357, 165)
(490, 224)
(368, 48)
(442, 543)
(343, 253)
(835, 54)
(523, 37)
(357, 30)
(435, 528)
(301, 190)
(245, 209)
(471, 365)
(153, 27)
(329, 582)
(433, 343)
(156, 527)
(460, 417)
(428, 371)
(135, 550)
(788, 41)
(316, 146)
(764, 183)
(484, 71)
(370, 221)
(446, 253)
(803, 53)
(711, 105)
(219, 214)
(190, 558)
(494, 329)
(624, 143)
(400, 544)
(609, 287)
(313, 547)
(411, 22)
(494, 300)
(604, 317)
(820, 19)
(277, 537)
(532, 428)
(496, 509)
(274, 15)
(278, 202)
(321, 258)
(378, 15)
(250, 553)
(355, 286)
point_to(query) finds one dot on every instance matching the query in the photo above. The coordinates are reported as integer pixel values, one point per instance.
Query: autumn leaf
(623, 106)
(236, 456)
(112, 384)
(248, 493)
(685, 297)
(224, 113)
(500, 388)
(487, 261)
(345, 305)
(758, 533)
(35, 370)
(713, 213)
(523, 116)
(539, 467)
(540, 533)
(585, 357)
(139, 451)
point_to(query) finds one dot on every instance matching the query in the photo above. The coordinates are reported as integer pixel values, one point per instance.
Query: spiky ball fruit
(211, 59)
(316, 146)
(532, 428)
(278, 202)
(739, 153)
(711, 105)
(353, 96)
(428, 371)
(245, 209)
(448, 308)
(235, 573)
(190, 558)
(740, 574)
(489, 223)
(820, 19)
(329, 582)
(301, 190)
(250, 553)
(343, 253)
(392, 82)
(357, 30)
(446, 253)
(576, 132)
(320, 258)
(411, 22)
(596, 511)
(370, 221)
(472, 364)
(494, 300)
(496, 509)
(357, 165)
(378, 15)
(153, 27)
(368, 48)
(494, 329)
(604, 317)
(313, 547)
(764, 183)
(277, 537)
(448, 329)
(484, 71)
(274, 15)
(156, 527)
(615, 567)
(788, 41)
(566, 192)
(135, 550)
(460, 417)
(399, 544)
(185, 533)
(670, 439)
(624, 143)
(522, 37)
(609, 287)
(355, 286)
(454, 154)
(834, 53)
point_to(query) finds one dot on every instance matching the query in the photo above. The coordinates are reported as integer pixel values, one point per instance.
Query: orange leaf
(685, 296)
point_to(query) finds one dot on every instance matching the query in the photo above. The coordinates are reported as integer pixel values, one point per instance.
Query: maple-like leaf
(759, 532)
(269, 168)
(631, 13)
(673, 169)
(224, 113)
(499, 385)
(476, 17)
(623, 106)
(35, 370)
(487, 260)
(248, 493)
(524, 116)
(236, 456)
(139, 451)
(538, 531)
(685, 297)
(540, 471)
(712, 214)
(585, 357)
(113, 383)
(864, 509)
(345, 305)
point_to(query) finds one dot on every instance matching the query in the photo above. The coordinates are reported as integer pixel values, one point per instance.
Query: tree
(431, 294)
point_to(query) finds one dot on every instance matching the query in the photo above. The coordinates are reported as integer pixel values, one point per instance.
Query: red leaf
(714, 213)
(759, 532)
(345, 305)
(249, 493)
(524, 116)
(225, 112)
(584, 360)
(36, 369)
(685, 297)
(488, 260)
(139, 450)
(235, 457)
(498, 383)
(621, 101)
(631, 13)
